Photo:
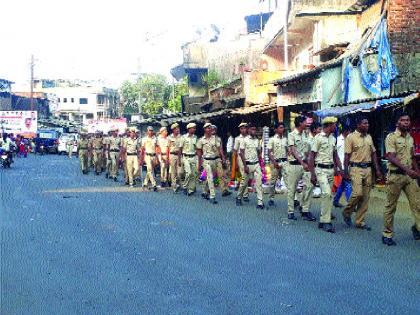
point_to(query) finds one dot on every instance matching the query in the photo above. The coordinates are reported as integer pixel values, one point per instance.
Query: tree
(177, 92)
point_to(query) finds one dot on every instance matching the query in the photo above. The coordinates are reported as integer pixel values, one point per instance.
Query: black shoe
(260, 207)
(246, 199)
(226, 193)
(127, 183)
(363, 227)
(291, 216)
(327, 227)
(185, 190)
(106, 175)
(308, 216)
(271, 203)
(213, 201)
(176, 190)
(115, 179)
(205, 196)
(163, 184)
(416, 233)
(155, 188)
(388, 241)
(190, 193)
(238, 202)
(347, 221)
(97, 173)
(338, 205)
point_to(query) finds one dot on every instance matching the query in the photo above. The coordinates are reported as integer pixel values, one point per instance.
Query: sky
(106, 40)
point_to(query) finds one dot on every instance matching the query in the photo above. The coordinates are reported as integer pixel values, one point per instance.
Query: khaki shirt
(83, 144)
(188, 144)
(209, 146)
(173, 143)
(131, 145)
(278, 146)
(149, 144)
(360, 148)
(238, 141)
(402, 146)
(114, 143)
(163, 144)
(105, 140)
(300, 142)
(97, 143)
(251, 146)
(324, 147)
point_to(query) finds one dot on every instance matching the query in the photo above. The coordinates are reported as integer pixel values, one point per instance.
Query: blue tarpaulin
(380, 80)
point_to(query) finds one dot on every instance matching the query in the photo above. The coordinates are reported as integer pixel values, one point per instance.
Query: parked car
(64, 138)
(46, 141)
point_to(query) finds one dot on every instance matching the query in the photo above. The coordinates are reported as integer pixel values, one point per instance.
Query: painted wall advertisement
(19, 122)
(105, 125)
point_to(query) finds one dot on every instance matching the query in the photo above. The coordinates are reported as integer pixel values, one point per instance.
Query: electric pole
(32, 82)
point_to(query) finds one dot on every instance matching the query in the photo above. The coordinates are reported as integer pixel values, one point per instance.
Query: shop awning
(264, 108)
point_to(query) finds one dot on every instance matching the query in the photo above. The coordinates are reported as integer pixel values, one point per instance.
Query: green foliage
(152, 93)
(212, 79)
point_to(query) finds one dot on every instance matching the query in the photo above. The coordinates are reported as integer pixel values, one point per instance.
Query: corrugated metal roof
(254, 109)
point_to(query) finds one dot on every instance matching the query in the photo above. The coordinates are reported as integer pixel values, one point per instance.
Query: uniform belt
(361, 165)
(174, 153)
(211, 158)
(326, 166)
(398, 172)
(294, 163)
(151, 154)
(114, 150)
(189, 155)
(251, 163)
(98, 149)
(281, 160)
(82, 148)
(131, 153)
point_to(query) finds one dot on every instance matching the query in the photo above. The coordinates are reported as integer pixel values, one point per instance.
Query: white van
(64, 138)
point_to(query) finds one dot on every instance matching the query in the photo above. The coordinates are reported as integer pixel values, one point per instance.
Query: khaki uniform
(236, 146)
(114, 153)
(189, 160)
(106, 162)
(220, 171)
(397, 181)
(149, 145)
(163, 159)
(132, 163)
(304, 197)
(90, 155)
(294, 168)
(360, 149)
(324, 148)
(83, 148)
(278, 146)
(210, 148)
(251, 146)
(174, 169)
(97, 148)
(69, 145)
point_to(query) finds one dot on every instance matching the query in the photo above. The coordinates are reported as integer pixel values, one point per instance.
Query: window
(59, 100)
(72, 100)
(100, 99)
(65, 100)
(194, 78)
(83, 100)
(89, 116)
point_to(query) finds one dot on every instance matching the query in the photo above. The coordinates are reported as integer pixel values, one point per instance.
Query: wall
(404, 35)
(332, 92)
(254, 88)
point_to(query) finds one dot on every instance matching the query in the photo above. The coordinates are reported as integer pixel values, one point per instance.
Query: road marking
(105, 189)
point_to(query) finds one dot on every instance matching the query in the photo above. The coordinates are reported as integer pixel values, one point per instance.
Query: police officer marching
(130, 154)
(187, 152)
(113, 153)
(149, 149)
(359, 155)
(250, 154)
(243, 132)
(173, 155)
(162, 142)
(277, 152)
(323, 164)
(83, 151)
(97, 152)
(403, 173)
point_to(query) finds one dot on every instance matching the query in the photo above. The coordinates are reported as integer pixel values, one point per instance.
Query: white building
(79, 101)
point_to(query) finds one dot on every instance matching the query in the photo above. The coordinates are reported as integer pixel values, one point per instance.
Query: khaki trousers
(276, 174)
(163, 169)
(242, 171)
(150, 177)
(294, 174)
(70, 150)
(132, 163)
(220, 173)
(395, 184)
(83, 157)
(361, 182)
(254, 172)
(174, 171)
(113, 169)
(325, 180)
(304, 197)
(190, 168)
(97, 160)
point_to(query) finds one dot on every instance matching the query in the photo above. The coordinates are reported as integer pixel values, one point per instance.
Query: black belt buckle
(151, 154)
(281, 160)
(174, 153)
(131, 153)
(189, 155)
(361, 164)
(210, 158)
(325, 166)
(294, 163)
(251, 163)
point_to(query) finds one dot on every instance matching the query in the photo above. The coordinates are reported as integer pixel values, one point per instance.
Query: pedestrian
(243, 132)
(323, 164)
(125, 136)
(97, 152)
(220, 167)
(106, 161)
(113, 153)
(130, 153)
(163, 156)
(209, 149)
(360, 154)
(91, 137)
(403, 173)
(277, 152)
(174, 164)
(229, 146)
(69, 145)
(250, 154)
(345, 183)
(83, 151)
(149, 149)
(187, 152)
(297, 141)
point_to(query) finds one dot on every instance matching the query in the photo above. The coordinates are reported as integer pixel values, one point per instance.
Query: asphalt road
(76, 244)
